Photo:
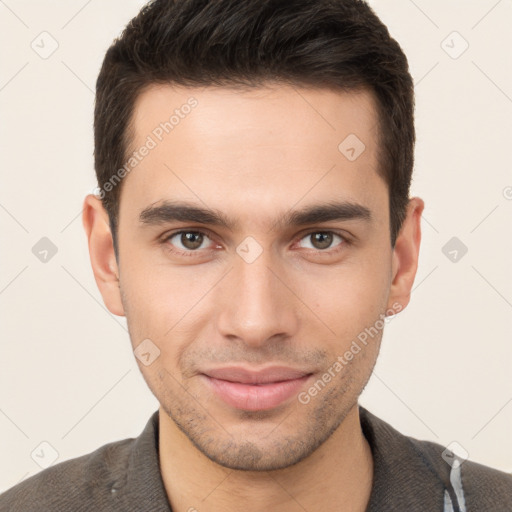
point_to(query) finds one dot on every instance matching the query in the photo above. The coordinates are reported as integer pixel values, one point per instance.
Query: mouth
(255, 390)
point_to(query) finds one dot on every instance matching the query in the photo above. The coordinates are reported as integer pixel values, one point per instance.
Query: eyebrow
(325, 212)
(169, 211)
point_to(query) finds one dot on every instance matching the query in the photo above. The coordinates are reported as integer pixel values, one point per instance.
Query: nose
(258, 307)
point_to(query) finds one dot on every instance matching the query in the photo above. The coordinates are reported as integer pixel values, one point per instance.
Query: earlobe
(101, 252)
(406, 255)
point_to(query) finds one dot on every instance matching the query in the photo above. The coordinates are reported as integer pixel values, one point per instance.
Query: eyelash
(179, 252)
(170, 248)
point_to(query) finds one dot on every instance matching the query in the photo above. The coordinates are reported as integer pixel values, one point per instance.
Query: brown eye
(321, 240)
(188, 240)
(191, 240)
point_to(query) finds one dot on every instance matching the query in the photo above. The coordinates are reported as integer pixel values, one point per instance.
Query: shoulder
(75, 484)
(486, 487)
(480, 487)
(428, 472)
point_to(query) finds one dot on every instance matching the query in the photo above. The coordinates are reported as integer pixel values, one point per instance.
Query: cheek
(149, 308)
(166, 308)
(158, 295)
(348, 300)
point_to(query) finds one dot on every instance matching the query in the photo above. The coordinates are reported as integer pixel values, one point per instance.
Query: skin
(255, 155)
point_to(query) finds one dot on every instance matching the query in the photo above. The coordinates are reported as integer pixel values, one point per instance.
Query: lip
(255, 390)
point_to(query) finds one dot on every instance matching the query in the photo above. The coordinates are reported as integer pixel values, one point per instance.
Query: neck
(336, 477)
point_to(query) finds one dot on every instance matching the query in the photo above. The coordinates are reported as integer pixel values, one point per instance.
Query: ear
(406, 254)
(101, 252)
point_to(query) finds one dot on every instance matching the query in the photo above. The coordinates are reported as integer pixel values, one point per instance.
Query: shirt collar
(140, 486)
(404, 476)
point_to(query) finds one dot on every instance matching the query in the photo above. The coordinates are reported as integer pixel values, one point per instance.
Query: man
(253, 219)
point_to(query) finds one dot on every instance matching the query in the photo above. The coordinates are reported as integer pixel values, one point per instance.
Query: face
(254, 252)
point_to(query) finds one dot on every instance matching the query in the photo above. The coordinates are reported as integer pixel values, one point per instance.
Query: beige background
(67, 373)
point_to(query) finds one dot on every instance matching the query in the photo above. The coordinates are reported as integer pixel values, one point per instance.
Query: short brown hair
(339, 44)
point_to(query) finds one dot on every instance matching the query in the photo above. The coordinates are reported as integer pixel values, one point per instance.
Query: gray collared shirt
(409, 475)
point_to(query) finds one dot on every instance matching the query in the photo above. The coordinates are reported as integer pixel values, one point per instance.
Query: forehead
(253, 150)
(304, 116)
